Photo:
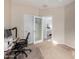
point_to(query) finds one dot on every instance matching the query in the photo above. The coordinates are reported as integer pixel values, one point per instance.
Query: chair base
(23, 52)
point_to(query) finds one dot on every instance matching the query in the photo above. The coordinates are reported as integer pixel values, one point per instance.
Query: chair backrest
(26, 40)
(20, 46)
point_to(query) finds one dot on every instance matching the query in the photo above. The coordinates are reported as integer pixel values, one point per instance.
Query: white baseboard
(70, 46)
(38, 41)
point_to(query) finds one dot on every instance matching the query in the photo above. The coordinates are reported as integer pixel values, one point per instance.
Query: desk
(8, 43)
(8, 46)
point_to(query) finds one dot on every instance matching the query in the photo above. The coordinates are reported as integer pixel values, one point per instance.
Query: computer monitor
(7, 33)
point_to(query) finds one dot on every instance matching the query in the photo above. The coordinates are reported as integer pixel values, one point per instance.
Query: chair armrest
(21, 40)
(16, 40)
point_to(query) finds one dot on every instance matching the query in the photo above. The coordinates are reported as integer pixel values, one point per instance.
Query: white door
(33, 24)
(29, 27)
(37, 29)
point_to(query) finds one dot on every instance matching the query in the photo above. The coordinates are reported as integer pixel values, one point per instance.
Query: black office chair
(19, 47)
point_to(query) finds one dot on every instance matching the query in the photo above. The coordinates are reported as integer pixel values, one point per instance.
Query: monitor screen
(7, 33)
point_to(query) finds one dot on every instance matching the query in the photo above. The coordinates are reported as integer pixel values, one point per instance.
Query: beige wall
(57, 22)
(63, 23)
(18, 12)
(70, 24)
(63, 20)
(7, 13)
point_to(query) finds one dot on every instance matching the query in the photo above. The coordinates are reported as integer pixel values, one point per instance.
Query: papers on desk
(9, 43)
(6, 45)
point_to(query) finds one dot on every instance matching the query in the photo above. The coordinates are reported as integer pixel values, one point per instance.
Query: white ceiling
(43, 3)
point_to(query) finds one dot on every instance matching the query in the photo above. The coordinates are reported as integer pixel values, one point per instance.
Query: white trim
(34, 29)
(42, 29)
(69, 45)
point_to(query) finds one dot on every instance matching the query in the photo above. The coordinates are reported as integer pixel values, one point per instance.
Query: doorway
(47, 28)
(43, 29)
(39, 27)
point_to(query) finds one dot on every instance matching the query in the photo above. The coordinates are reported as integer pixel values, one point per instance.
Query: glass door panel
(38, 29)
